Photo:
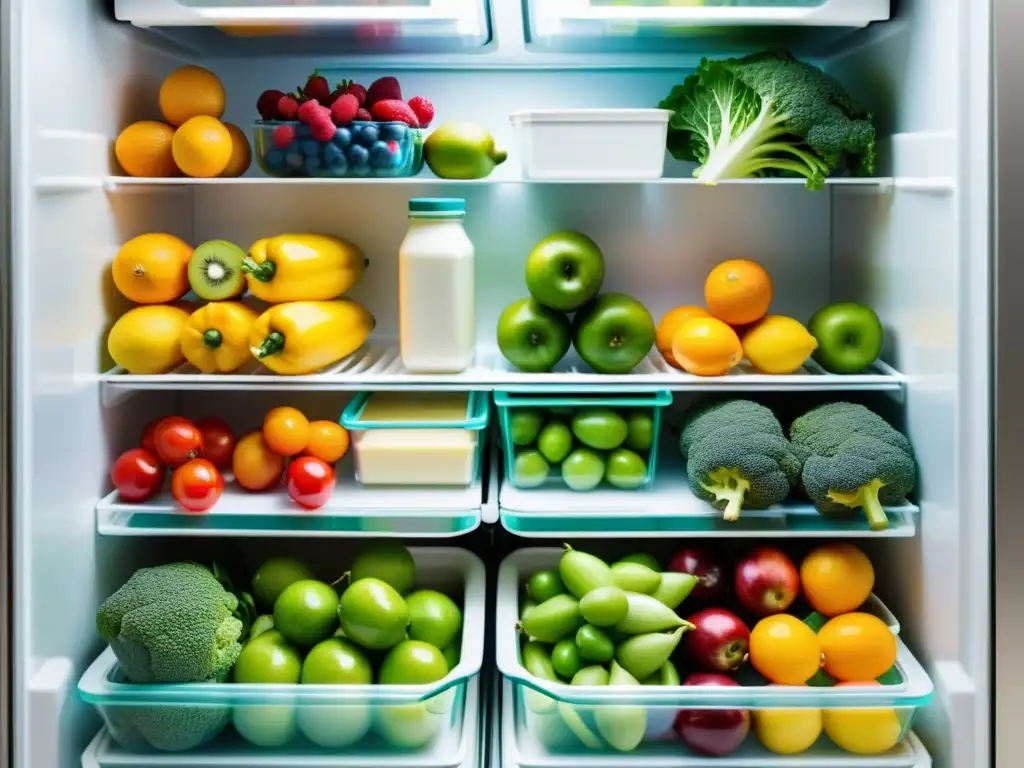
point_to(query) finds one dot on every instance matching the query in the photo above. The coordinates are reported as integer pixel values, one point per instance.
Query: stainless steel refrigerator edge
(6, 660)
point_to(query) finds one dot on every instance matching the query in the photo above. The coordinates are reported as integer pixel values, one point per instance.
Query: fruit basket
(599, 717)
(420, 720)
(581, 442)
(359, 150)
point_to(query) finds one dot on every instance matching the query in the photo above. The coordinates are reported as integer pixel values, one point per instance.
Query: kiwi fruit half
(215, 270)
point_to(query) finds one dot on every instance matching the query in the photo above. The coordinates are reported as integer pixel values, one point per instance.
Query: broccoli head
(172, 624)
(702, 420)
(824, 429)
(734, 467)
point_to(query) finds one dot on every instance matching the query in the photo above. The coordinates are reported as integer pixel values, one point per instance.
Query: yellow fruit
(705, 346)
(202, 147)
(863, 731)
(191, 91)
(144, 149)
(778, 344)
(836, 578)
(148, 339)
(241, 153)
(857, 647)
(787, 731)
(152, 268)
(668, 326)
(784, 650)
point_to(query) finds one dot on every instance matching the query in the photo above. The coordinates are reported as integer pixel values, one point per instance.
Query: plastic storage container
(359, 150)
(584, 144)
(416, 719)
(417, 438)
(526, 466)
(573, 719)
(437, 288)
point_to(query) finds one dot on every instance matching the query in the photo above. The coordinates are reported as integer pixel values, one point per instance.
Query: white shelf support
(47, 693)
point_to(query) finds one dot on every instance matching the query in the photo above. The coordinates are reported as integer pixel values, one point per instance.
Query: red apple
(767, 581)
(714, 732)
(719, 640)
(708, 570)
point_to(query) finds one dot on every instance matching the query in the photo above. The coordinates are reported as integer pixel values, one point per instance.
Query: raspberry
(423, 109)
(395, 111)
(283, 136)
(287, 107)
(363, 114)
(344, 109)
(322, 129)
(307, 110)
(393, 147)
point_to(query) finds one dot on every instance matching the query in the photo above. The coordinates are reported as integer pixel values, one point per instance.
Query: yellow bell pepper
(302, 268)
(215, 339)
(305, 336)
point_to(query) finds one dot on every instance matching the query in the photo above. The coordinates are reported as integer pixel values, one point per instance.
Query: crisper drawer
(419, 725)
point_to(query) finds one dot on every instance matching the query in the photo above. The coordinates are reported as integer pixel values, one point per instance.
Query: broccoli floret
(822, 430)
(171, 624)
(701, 420)
(767, 114)
(734, 467)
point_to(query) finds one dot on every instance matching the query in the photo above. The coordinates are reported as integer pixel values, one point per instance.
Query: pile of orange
(193, 141)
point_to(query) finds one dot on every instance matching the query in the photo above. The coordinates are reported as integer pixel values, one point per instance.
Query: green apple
(533, 337)
(306, 612)
(613, 333)
(530, 469)
(412, 662)
(524, 425)
(274, 575)
(336, 662)
(555, 442)
(268, 659)
(412, 725)
(388, 560)
(433, 618)
(600, 428)
(640, 425)
(626, 469)
(583, 469)
(565, 270)
(373, 614)
(849, 337)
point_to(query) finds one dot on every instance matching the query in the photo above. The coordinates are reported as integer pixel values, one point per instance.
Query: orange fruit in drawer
(863, 731)
(667, 327)
(836, 578)
(738, 291)
(857, 647)
(785, 650)
(705, 346)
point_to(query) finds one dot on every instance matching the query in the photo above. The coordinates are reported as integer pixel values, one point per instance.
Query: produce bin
(363, 149)
(417, 438)
(572, 719)
(423, 721)
(521, 454)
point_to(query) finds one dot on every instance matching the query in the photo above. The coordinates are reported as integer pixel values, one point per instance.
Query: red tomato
(137, 474)
(197, 485)
(177, 441)
(218, 441)
(310, 482)
(149, 433)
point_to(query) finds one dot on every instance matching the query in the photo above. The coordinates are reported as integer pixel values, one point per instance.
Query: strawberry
(382, 89)
(287, 107)
(394, 111)
(363, 114)
(317, 88)
(322, 129)
(344, 109)
(266, 105)
(283, 136)
(424, 110)
(307, 109)
(347, 86)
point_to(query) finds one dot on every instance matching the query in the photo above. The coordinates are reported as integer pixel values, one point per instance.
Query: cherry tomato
(256, 467)
(149, 433)
(218, 441)
(310, 482)
(196, 485)
(328, 441)
(177, 441)
(286, 431)
(137, 474)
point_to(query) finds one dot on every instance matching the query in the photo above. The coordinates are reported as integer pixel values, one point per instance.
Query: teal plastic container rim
(916, 689)
(437, 208)
(477, 415)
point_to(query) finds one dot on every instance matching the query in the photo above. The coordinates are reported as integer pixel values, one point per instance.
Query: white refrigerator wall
(917, 251)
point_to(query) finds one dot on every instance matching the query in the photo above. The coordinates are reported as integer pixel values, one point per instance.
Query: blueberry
(309, 147)
(312, 164)
(360, 170)
(275, 159)
(339, 167)
(302, 131)
(380, 156)
(294, 159)
(368, 135)
(331, 153)
(396, 158)
(393, 132)
(343, 137)
(358, 156)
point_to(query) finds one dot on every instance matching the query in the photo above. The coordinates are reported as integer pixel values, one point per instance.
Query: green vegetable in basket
(621, 726)
(674, 588)
(582, 572)
(634, 577)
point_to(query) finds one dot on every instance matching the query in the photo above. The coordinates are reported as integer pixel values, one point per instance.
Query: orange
(256, 467)
(202, 147)
(836, 578)
(241, 153)
(286, 430)
(785, 650)
(668, 326)
(328, 441)
(152, 268)
(144, 149)
(738, 291)
(705, 346)
(863, 731)
(857, 647)
(191, 91)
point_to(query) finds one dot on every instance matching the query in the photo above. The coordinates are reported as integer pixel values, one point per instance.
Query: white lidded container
(436, 285)
(585, 144)
(417, 438)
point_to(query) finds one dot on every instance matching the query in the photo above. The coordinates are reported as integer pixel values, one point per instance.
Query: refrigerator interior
(915, 247)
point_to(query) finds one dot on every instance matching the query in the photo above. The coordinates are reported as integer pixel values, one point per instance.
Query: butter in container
(417, 438)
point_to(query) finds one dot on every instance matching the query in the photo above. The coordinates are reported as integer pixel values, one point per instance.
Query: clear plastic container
(417, 438)
(335, 718)
(524, 471)
(360, 150)
(575, 719)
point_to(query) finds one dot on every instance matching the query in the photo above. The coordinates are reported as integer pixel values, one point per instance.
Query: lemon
(787, 731)
(203, 147)
(191, 91)
(148, 339)
(778, 345)
(144, 149)
(863, 731)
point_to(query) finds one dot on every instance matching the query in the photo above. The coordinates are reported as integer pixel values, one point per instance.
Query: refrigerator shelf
(377, 366)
